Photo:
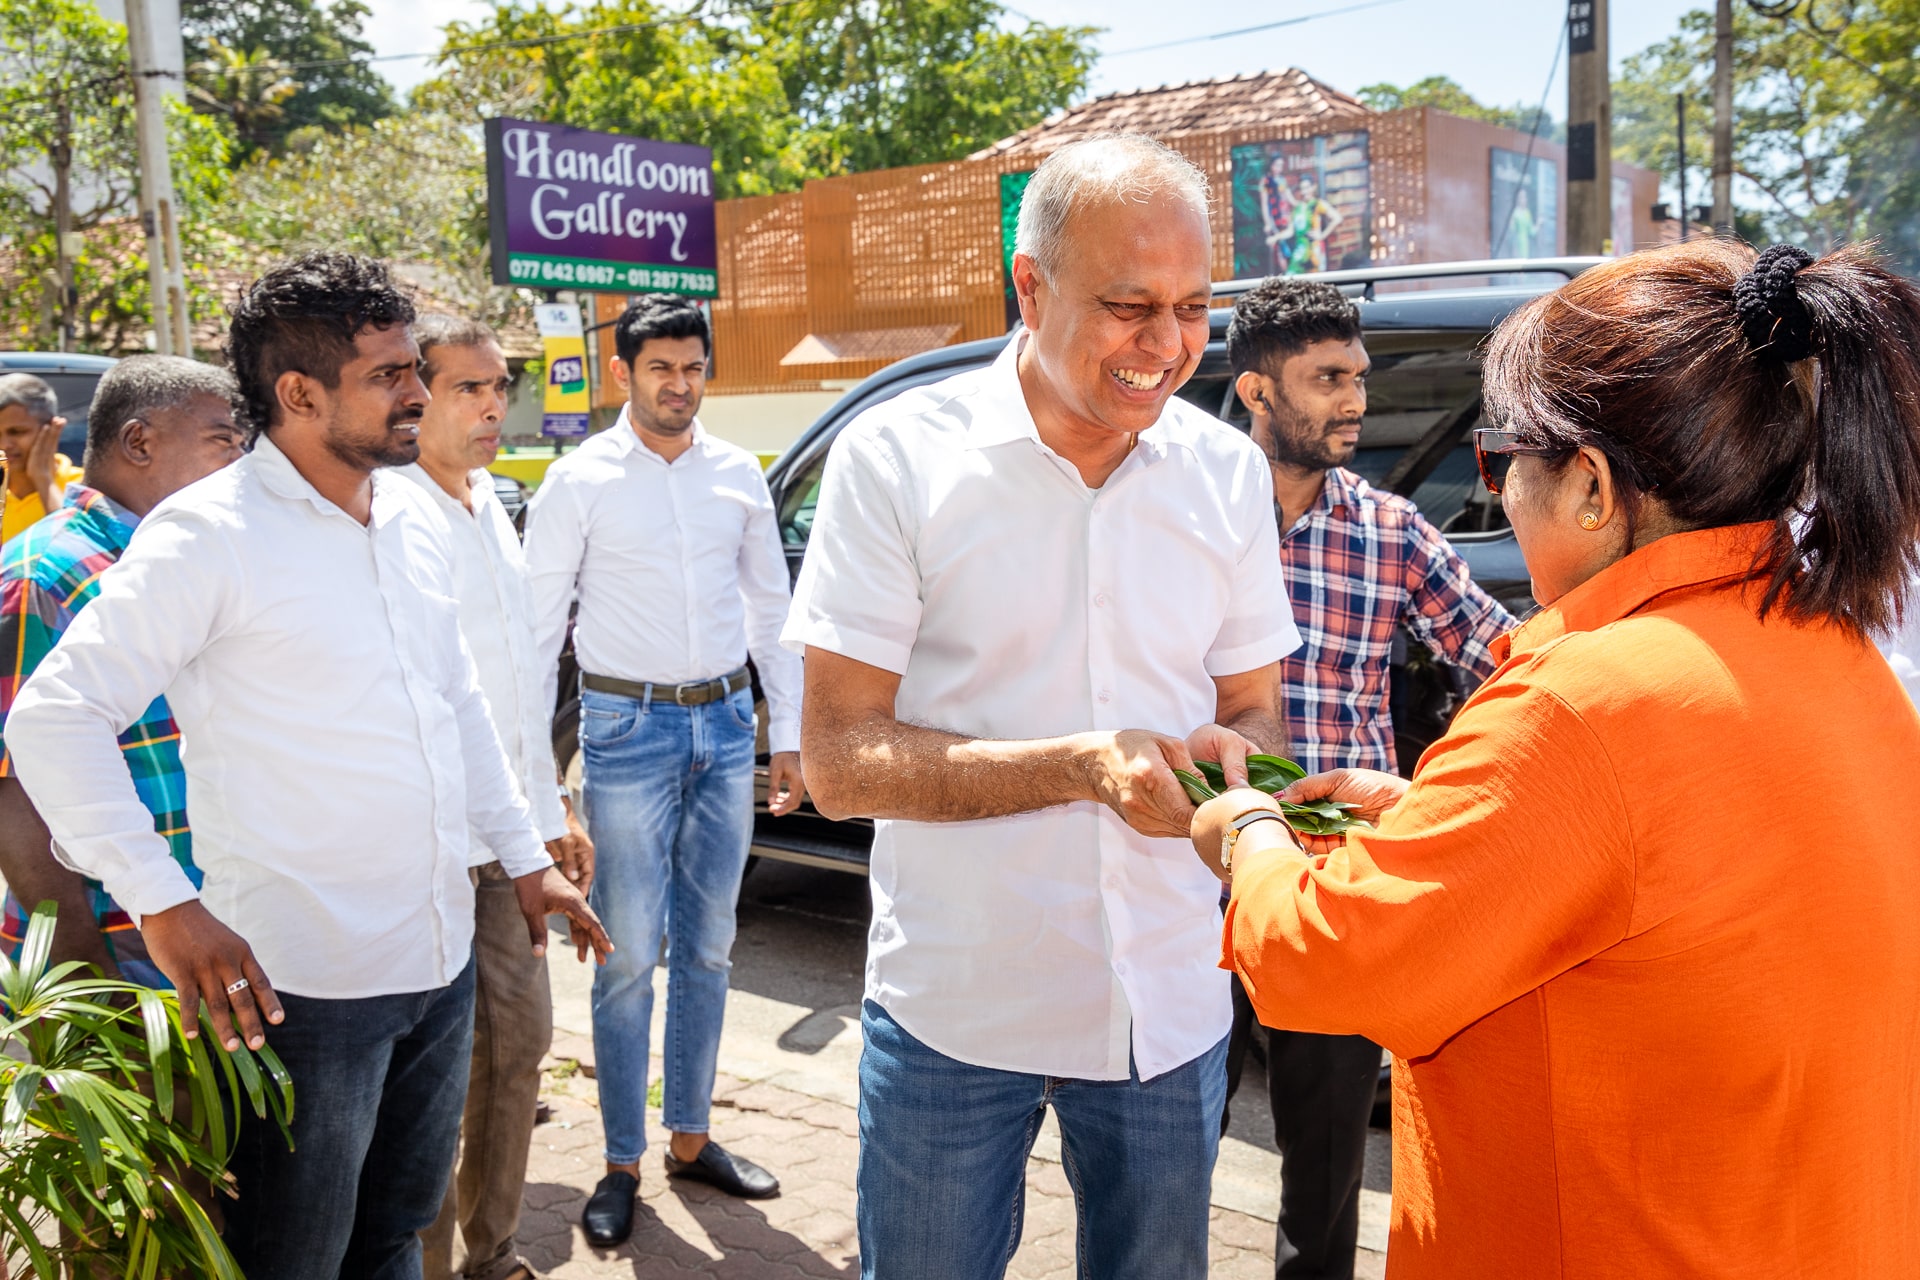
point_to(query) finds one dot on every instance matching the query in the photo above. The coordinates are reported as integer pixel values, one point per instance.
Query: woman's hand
(1373, 791)
(1211, 820)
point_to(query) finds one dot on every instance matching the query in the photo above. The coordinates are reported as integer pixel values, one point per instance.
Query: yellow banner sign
(565, 406)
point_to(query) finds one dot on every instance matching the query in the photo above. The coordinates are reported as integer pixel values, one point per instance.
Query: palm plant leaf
(89, 1136)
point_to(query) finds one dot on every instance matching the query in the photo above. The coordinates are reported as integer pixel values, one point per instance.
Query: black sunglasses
(1495, 450)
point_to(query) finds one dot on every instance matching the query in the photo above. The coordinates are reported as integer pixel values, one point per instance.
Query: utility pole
(1589, 129)
(1680, 140)
(60, 155)
(158, 71)
(1722, 119)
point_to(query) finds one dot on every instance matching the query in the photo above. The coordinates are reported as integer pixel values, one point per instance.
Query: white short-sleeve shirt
(953, 548)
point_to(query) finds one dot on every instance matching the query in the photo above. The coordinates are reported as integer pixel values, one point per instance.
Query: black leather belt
(694, 694)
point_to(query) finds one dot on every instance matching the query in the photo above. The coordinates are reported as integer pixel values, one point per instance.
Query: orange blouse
(1644, 939)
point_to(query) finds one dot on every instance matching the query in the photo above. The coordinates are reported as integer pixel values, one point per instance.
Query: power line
(1247, 31)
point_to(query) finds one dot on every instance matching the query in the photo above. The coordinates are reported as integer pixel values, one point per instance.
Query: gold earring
(1589, 521)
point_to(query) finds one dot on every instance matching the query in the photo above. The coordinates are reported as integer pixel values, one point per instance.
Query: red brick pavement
(688, 1229)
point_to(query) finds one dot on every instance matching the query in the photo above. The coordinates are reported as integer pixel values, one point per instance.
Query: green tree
(410, 188)
(885, 83)
(1443, 93)
(316, 45)
(67, 86)
(250, 88)
(781, 94)
(1826, 120)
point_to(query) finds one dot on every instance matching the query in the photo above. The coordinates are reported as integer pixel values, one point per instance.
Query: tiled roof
(1201, 106)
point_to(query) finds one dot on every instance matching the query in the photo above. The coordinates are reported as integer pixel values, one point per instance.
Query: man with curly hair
(297, 611)
(1360, 563)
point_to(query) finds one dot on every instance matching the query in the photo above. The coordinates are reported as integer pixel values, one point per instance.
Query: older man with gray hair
(1024, 589)
(158, 423)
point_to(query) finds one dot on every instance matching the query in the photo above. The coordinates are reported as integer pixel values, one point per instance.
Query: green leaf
(1197, 789)
(153, 1011)
(1269, 767)
(1216, 776)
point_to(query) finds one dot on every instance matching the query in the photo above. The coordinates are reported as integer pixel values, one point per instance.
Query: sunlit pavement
(786, 1099)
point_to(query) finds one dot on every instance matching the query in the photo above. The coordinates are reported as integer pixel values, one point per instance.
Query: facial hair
(1294, 440)
(653, 418)
(371, 455)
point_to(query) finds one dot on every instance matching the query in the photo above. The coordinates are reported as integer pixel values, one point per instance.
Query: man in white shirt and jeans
(466, 374)
(1024, 588)
(666, 536)
(297, 611)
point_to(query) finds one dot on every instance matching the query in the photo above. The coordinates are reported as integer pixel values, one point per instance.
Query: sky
(1500, 50)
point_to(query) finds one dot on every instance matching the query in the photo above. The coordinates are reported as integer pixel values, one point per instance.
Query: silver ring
(235, 988)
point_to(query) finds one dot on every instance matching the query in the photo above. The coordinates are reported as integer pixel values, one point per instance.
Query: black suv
(1424, 326)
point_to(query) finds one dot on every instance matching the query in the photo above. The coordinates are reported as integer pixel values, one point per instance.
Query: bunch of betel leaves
(1272, 774)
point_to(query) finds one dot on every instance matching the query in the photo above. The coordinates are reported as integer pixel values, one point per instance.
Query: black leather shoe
(608, 1216)
(732, 1174)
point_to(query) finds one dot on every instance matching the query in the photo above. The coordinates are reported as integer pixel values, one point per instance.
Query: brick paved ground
(686, 1229)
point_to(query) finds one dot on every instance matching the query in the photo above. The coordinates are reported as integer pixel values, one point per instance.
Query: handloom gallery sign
(572, 209)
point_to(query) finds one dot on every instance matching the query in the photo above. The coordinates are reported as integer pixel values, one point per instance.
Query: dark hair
(142, 385)
(1661, 361)
(659, 315)
(302, 317)
(437, 329)
(1280, 318)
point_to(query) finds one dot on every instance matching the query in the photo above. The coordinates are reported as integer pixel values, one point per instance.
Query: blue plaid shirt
(1360, 563)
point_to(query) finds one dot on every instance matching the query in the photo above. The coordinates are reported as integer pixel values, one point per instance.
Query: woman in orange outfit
(1643, 933)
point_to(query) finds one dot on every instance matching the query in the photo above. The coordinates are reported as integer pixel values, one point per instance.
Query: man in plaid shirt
(1359, 563)
(158, 423)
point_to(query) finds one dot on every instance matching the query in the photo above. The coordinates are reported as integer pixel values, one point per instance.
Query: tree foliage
(781, 93)
(1443, 93)
(66, 60)
(238, 49)
(1826, 119)
(410, 188)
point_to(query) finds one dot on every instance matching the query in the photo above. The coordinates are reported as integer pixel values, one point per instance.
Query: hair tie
(1767, 299)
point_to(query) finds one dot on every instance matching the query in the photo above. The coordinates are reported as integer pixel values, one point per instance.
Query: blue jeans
(943, 1157)
(378, 1086)
(669, 803)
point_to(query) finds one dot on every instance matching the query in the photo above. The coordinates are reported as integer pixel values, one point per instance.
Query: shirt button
(1113, 882)
(1120, 967)
(1100, 601)
(1105, 696)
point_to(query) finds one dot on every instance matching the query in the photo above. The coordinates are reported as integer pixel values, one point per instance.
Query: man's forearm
(882, 768)
(35, 876)
(1261, 727)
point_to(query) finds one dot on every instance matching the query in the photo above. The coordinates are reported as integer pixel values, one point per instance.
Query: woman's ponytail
(1857, 538)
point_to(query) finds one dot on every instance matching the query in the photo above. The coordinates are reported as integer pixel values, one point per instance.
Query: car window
(1418, 382)
(798, 503)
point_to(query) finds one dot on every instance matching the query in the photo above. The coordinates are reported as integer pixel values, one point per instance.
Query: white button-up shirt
(334, 736)
(954, 548)
(496, 618)
(677, 565)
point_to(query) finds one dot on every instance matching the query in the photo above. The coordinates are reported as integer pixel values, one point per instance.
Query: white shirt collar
(1011, 418)
(283, 479)
(479, 480)
(627, 440)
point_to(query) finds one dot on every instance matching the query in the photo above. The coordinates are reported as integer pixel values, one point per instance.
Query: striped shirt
(1360, 563)
(47, 575)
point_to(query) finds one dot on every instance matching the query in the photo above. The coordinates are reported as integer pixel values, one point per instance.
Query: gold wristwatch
(1231, 836)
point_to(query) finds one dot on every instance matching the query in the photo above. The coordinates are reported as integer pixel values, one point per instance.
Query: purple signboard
(573, 209)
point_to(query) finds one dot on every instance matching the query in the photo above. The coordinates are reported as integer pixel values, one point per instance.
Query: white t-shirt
(953, 548)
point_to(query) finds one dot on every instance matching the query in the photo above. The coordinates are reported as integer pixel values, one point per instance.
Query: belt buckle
(683, 694)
